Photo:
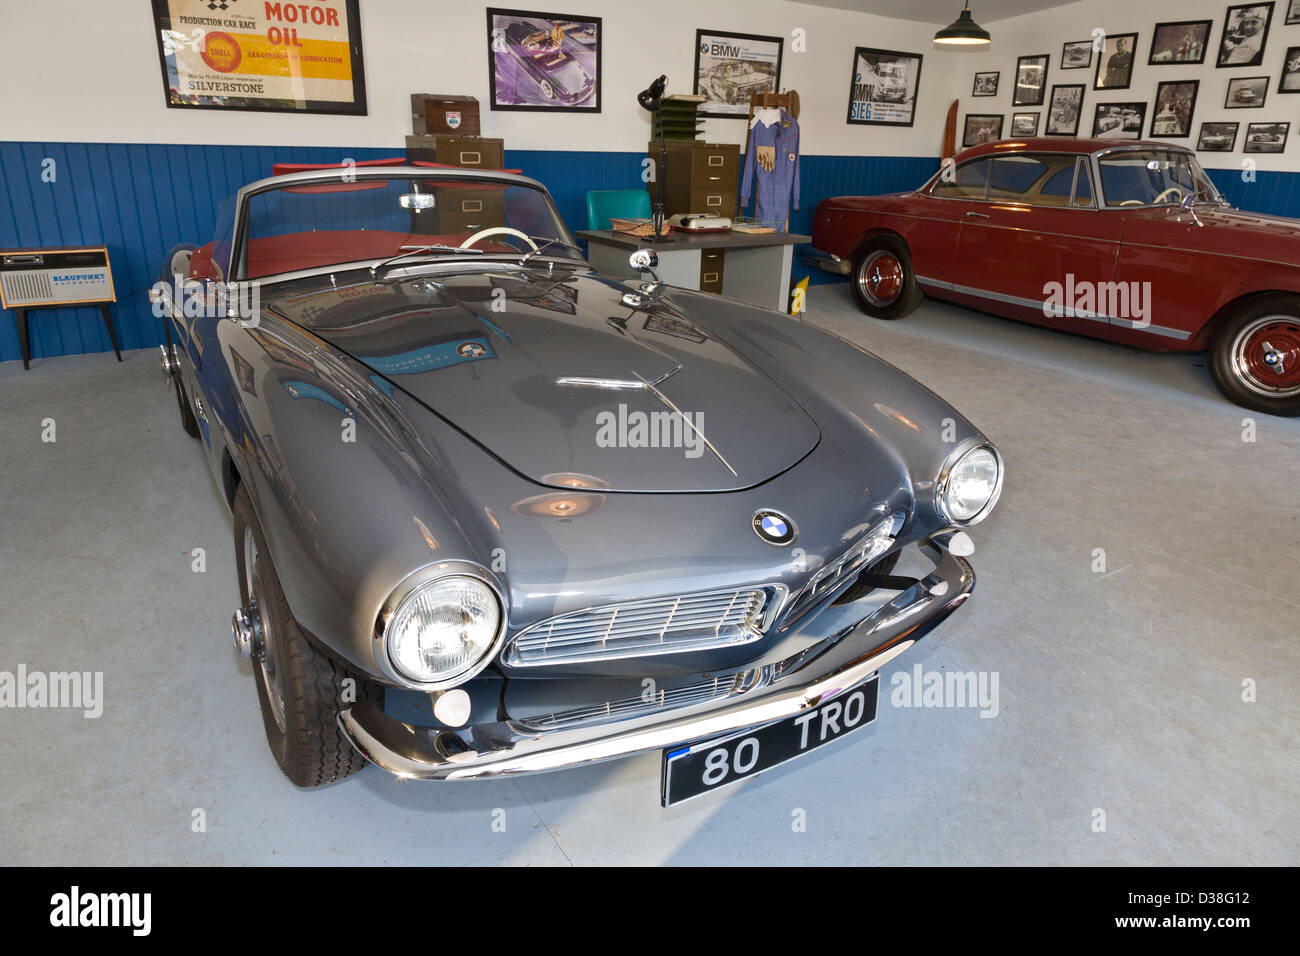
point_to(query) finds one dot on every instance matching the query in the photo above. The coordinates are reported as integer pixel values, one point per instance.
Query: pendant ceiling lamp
(963, 31)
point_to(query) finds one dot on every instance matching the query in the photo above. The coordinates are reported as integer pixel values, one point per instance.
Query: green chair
(606, 204)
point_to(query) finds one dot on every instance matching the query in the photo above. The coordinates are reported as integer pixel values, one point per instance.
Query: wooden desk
(755, 267)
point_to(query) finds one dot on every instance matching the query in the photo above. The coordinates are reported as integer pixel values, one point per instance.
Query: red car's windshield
(314, 225)
(1143, 177)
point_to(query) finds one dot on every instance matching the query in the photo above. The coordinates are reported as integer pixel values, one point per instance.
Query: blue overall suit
(776, 187)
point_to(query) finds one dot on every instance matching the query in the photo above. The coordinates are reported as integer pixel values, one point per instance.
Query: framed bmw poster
(543, 62)
(731, 66)
(269, 56)
(883, 91)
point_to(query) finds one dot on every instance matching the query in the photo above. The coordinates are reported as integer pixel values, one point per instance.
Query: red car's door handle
(976, 215)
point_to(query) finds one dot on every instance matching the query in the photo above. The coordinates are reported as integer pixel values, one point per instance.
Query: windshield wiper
(417, 250)
(546, 244)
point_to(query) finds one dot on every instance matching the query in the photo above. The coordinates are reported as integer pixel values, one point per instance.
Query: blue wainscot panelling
(1277, 194)
(141, 199)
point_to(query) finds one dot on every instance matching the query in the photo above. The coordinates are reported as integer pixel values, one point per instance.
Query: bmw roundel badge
(773, 527)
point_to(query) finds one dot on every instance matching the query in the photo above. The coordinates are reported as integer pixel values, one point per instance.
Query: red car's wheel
(1255, 357)
(882, 280)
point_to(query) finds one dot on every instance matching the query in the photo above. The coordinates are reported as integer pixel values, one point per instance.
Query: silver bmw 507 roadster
(497, 513)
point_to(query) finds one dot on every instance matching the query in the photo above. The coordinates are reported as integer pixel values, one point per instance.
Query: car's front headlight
(969, 485)
(442, 630)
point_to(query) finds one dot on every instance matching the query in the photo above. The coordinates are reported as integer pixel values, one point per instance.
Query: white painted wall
(1045, 32)
(88, 72)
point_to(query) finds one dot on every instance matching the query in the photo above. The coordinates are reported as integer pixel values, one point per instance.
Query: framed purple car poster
(544, 62)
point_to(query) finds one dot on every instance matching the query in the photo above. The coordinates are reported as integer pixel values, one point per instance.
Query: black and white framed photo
(1293, 12)
(883, 91)
(1175, 104)
(1031, 80)
(1063, 109)
(1183, 41)
(1265, 137)
(986, 84)
(1077, 54)
(1246, 92)
(1290, 80)
(543, 62)
(731, 66)
(1115, 62)
(1119, 120)
(982, 128)
(1244, 33)
(1217, 137)
(1024, 124)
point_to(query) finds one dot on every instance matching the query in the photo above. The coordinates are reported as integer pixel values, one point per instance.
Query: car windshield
(1147, 177)
(321, 224)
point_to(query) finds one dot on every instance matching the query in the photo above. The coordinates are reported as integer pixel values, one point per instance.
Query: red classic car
(1129, 242)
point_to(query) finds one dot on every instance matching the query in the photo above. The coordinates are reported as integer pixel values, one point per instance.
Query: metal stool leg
(108, 323)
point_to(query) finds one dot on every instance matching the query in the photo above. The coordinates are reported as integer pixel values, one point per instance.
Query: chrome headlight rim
(963, 449)
(412, 582)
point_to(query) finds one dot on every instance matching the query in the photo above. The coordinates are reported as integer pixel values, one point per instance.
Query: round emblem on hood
(773, 527)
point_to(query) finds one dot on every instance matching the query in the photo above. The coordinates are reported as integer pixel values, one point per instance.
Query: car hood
(1223, 230)
(563, 382)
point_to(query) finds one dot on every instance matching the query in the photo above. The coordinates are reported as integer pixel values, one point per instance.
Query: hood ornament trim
(685, 418)
(615, 384)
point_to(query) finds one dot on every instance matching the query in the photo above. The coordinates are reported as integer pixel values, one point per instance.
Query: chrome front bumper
(784, 688)
(826, 261)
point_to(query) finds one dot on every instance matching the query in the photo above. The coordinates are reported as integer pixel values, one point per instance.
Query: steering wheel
(1172, 189)
(497, 231)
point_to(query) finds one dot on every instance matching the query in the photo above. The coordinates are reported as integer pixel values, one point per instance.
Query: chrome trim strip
(650, 386)
(581, 381)
(798, 683)
(1037, 306)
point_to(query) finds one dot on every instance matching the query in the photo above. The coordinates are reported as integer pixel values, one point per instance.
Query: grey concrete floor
(1121, 691)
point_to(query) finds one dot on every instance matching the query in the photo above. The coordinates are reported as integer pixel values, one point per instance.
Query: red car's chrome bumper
(773, 691)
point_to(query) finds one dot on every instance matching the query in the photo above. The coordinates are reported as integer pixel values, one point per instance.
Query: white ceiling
(942, 12)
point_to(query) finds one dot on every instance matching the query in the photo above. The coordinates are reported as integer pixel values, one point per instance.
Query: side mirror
(643, 260)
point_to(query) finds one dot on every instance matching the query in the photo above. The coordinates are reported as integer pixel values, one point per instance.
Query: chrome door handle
(976, 215)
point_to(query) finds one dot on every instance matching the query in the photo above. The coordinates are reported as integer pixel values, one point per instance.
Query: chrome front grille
(707, 691)
(688, 622)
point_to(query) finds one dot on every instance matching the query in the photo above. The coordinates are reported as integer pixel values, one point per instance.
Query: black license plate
(700, 768)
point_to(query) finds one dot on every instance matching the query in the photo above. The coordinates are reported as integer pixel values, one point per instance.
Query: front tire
(1255, 355)
(882, 280)
(300, 689)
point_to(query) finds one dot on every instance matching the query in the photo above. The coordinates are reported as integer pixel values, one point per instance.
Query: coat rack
(788, 101)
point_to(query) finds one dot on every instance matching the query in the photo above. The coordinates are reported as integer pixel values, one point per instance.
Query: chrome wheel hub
(253, 630)
(1274, 359)
(170, 366)
(1265, 356)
